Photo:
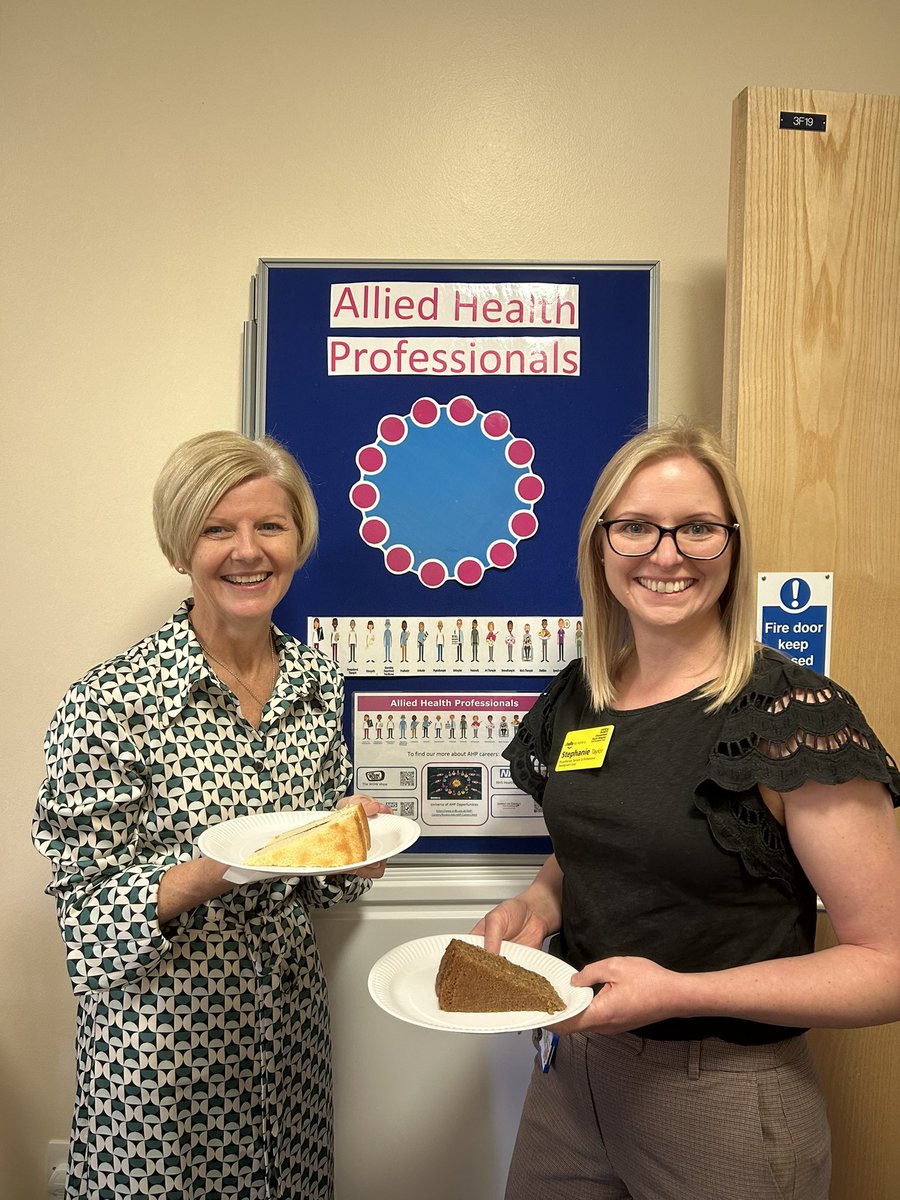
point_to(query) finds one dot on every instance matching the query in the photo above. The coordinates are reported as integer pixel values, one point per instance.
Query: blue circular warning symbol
(795, 594)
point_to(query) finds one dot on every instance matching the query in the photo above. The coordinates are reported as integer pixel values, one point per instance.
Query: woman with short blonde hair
(203, 1049)
(202, 469)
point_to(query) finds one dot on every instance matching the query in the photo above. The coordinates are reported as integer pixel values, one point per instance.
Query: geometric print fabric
(202, 1049)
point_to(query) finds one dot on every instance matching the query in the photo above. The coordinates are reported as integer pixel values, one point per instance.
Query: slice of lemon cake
(334, 840)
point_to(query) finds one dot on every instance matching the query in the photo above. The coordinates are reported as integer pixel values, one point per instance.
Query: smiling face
(245, 557)
(664, 588)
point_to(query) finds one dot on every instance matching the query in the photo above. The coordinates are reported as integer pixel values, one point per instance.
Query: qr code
(407, 808)
(407, 779)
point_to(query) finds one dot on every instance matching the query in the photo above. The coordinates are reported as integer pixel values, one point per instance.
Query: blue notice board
(452, 419)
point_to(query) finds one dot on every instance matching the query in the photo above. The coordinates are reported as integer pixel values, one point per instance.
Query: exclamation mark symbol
(795, 593)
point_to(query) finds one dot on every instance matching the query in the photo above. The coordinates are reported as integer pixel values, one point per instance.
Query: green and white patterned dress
(203, 1048)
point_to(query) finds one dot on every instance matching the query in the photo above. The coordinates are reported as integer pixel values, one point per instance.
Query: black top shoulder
(790, 725)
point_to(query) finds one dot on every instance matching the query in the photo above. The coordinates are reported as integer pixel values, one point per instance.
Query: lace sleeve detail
(788, 726)
(791, 725)
(741, 823)
(529, 750)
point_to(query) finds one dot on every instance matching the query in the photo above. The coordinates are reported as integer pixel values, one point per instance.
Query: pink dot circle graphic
(432, 573)
(392, 429)
(501, 554)
(374, 532)
(530, 488)
(520, 452)
(469, 571)
(363, 496)
(523, 524)
(398, 559)
(461, 410)
(425, 412)
(435, 488)
(370, 459)
(495, 424)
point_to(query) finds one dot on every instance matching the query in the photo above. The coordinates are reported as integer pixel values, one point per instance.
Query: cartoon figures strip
(382, 645)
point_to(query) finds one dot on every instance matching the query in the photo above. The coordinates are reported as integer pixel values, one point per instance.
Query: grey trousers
(628, 1118)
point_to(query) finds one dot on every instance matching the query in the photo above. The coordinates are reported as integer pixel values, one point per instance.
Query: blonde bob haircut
(608, 639)
(201, 470)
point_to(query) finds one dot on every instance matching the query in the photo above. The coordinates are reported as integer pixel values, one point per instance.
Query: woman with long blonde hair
(700, 791)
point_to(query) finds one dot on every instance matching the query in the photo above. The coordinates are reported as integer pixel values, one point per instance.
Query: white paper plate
(402, 983)
(232, 841)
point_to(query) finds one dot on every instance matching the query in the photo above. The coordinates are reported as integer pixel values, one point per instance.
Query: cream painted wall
(154, 150)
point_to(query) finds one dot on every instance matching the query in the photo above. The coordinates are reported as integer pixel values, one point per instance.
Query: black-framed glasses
(693, 539)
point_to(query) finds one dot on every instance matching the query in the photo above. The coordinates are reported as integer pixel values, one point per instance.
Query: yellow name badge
(584, 748)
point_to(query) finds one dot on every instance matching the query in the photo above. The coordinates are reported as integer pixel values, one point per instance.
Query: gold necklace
(235, 676)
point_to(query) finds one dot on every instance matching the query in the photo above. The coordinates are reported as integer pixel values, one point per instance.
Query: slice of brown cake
(470, 979)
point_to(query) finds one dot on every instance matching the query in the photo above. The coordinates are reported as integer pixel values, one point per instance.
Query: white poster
(436, 757)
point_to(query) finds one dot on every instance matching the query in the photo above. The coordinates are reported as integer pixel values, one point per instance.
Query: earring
(181, 570)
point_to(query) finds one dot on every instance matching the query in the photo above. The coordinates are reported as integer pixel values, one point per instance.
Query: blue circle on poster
(446, 491)
(795, 594)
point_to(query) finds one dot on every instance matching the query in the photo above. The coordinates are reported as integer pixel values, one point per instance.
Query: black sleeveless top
(667, 850)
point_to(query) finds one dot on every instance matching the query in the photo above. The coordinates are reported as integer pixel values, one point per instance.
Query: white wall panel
(418, 1113)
